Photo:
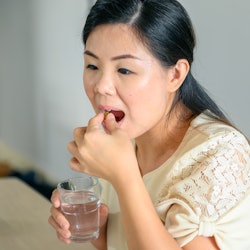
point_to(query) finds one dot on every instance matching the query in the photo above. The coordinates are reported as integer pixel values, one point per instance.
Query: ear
(177, 74)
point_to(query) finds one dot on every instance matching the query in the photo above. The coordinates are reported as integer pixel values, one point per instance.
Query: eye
(91, 66)
(124, 71)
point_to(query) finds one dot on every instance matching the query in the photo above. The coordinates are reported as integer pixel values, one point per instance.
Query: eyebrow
(125, 56)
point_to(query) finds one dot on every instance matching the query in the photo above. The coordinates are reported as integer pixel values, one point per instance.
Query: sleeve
(209, 193)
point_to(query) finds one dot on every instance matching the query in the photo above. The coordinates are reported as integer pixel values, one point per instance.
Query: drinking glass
(80, 202)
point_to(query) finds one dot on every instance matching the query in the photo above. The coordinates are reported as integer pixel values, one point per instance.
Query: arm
(143, 228)
(111, 156)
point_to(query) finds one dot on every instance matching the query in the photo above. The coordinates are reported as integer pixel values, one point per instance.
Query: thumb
(110, 122)
(95, 122)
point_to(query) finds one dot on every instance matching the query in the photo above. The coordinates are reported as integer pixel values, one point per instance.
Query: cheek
(151, 101)
(133, 100)
(136, 102)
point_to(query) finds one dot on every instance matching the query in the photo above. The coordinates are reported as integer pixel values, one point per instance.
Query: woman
(184, 179)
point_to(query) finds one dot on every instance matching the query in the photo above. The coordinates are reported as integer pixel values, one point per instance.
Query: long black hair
(166, 29)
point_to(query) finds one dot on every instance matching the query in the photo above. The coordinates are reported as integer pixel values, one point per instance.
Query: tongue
(118, 115)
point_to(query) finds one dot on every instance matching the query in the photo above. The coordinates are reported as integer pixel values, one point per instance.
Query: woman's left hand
(107, 154)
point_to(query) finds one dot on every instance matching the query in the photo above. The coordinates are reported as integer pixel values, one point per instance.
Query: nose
(105, 85)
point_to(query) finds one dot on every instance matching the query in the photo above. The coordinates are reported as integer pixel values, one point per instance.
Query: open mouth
(118, 114)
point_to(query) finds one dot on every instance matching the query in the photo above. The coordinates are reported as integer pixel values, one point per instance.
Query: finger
(110, 123)
(63, 233)
(53, 223)
(63, 239)
(73, 148)
(95, 122)
(55, 199)
(59, 218)
(79, 133)
(74, 163)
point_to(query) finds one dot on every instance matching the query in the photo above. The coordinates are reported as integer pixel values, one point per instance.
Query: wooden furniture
(24, 220)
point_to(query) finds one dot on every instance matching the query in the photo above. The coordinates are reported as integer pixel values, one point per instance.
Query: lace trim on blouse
(210, 180)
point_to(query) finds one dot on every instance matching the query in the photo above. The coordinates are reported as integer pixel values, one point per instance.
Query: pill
(106, 113)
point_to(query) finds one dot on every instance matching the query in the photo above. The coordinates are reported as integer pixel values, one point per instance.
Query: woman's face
(122, 76)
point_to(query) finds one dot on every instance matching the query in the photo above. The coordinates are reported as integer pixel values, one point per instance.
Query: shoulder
(208, 136)
(213, 172)
(208, 128)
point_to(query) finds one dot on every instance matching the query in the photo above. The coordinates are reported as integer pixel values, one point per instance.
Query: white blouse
(202, 189)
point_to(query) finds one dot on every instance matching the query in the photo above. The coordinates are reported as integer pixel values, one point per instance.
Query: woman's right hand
(58, 221)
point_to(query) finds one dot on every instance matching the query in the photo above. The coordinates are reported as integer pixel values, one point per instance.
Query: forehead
(115, 38)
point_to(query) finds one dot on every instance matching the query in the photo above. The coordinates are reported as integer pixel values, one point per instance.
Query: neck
(157, 145)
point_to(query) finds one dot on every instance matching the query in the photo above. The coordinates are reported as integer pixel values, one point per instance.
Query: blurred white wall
(41, 93)
(222, 63)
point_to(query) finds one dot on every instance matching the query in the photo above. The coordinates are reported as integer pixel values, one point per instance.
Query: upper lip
(104, 108)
